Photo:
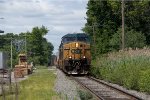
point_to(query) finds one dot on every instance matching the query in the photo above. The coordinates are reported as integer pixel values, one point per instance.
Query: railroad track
(104, 91)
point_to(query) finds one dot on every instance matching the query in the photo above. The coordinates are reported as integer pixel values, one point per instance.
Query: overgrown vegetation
(104, 22)
(38, 86)
(129, 68)
(85, 95)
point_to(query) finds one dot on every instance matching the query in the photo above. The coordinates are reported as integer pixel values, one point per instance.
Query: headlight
(77, 45)
(70, 57)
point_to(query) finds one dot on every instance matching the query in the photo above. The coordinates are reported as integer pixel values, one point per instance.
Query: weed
(84, 95)
(129, 68)
(39, 86)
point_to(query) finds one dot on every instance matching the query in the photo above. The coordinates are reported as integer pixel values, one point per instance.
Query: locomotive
(74, 53)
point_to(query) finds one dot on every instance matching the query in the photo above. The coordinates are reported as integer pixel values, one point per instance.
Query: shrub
(128, 70)
(144, 81)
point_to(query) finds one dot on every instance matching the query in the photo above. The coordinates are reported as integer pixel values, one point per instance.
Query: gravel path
(66, 87)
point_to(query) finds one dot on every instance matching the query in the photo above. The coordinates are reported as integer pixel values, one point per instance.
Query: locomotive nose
(77, 65)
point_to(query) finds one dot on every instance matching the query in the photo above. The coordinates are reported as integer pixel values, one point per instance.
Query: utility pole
(93, 26)
(11, 54)
(94, 43)
(123, 36)
(26, 44)
(26, 48)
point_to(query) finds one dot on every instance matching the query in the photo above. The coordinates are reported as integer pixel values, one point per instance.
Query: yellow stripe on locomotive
(74, 54)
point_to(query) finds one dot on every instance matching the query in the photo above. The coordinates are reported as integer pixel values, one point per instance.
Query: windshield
(69, 39)
(72, 39)
(83, 39)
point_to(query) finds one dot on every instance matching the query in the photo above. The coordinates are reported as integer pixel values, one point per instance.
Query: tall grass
(130, 69)
(39, 86)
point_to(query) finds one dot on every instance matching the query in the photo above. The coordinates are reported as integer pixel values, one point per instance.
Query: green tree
(101, 17)
(105, 18)
(137, 15)
(133, 39)
(39, 50)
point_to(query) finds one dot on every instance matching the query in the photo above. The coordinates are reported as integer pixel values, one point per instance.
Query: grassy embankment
(130, 69)
(39, 86)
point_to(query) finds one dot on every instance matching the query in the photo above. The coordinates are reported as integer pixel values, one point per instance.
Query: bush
(129, 71)
(144, 81)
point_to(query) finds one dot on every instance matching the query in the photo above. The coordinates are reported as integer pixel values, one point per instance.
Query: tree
(100, 12)
(39, 47)
(105, 18)
(138, 17)
(133, 39)
(39, 50)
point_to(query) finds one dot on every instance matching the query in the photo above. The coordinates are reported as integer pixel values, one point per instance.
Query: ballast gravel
(142, 95)
(66, 87)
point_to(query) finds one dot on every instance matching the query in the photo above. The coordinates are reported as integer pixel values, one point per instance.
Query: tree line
(39, 50)
(104, 21)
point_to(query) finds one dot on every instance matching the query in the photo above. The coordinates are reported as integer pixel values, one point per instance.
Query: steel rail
(93, 92)
(116, 89)
(133, 97)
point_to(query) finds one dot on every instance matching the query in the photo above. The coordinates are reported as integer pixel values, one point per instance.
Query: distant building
(53, 60)
(3, 60)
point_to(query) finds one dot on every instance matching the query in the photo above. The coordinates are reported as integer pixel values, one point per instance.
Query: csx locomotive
(74, 53)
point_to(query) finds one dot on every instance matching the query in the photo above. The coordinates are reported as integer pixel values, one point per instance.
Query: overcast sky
(59, 16)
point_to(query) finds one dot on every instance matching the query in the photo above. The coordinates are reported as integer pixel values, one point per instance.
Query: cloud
(59, 16)
(2, 1)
